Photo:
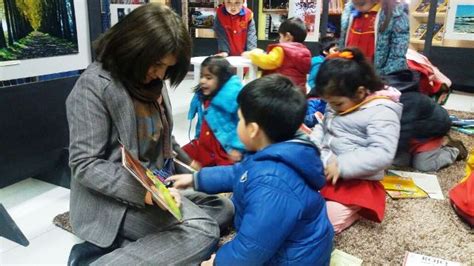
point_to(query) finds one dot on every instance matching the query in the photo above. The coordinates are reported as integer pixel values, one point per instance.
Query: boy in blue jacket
(280, 217)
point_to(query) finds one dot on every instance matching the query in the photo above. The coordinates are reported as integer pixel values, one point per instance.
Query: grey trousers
(429, 161)
(154, 237)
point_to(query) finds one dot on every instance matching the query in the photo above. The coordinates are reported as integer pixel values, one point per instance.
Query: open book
(161, 195)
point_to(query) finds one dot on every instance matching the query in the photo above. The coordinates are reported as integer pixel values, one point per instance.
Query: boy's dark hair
(275, 104)
(296, 27)
(219, 67)
(142, 38)
(339, 76)
(327, 43)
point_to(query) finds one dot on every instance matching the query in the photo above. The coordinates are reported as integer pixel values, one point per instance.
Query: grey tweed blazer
(100, 113)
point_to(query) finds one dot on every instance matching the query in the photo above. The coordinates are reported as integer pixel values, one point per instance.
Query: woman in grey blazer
(122, 98)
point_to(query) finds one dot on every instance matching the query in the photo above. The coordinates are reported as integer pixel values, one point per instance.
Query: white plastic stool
(236, 61)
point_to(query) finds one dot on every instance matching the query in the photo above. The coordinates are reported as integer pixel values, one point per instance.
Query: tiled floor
(33, 204)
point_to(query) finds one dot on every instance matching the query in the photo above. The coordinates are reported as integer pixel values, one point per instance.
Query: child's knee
(342, 216)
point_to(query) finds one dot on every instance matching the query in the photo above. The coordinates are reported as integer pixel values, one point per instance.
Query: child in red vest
(215, 104)
(290, 57)
(235, 28)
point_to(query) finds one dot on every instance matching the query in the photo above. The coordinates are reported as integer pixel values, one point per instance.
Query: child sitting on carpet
(280, 217)
(358, 137)
(215, 103)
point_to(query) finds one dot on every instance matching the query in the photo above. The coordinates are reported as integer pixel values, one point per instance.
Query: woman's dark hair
(142, 38)
(219, 67)
(340, 76)
(296, 27)
(275, 104)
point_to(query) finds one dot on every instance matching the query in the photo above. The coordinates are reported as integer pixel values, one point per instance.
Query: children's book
(428, 183)
(439, 35)
(436, 28)
(424, 6)
(442, 6)
(414, 259)
(152, 183)
(341, 258)
(465, 130)
(420, 31)
(400, 187)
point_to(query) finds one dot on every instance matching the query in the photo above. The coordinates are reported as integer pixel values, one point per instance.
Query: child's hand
(246, 54)
(195, 165)
(182, 181)
(223, 54)
(319, 116)
(332, 172)
(235, 155)
(210, 261)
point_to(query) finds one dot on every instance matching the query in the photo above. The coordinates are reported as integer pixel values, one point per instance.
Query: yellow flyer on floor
(401, 187)
(161, 194)
(428, 183)
(341, 258)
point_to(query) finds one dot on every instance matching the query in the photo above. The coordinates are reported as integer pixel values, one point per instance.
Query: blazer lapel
(122, 112)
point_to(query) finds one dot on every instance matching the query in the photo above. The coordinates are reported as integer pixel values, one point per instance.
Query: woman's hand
(332, 172)
(182, 181)
(174, 193)
(210, 261)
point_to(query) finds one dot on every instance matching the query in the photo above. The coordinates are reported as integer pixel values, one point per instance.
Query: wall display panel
(43, 37)
(310, 12)
(460, 20)
(119, 11)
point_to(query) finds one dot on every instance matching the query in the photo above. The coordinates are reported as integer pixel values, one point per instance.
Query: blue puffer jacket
(221, 115)
(391, 45)
(280, 217)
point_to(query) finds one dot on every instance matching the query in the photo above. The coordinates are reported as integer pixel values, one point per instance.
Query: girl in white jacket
(358, 137)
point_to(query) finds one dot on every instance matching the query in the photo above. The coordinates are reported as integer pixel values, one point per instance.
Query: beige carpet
(424, 226)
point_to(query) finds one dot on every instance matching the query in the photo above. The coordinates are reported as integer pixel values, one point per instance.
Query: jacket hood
(225, 98)
(301, 155)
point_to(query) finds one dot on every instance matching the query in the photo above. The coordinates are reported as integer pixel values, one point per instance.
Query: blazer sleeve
(90, 127)
(383, 132)
(270, 216)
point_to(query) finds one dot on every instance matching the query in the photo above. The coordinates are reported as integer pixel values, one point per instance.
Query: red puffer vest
(235, 27)
(296, 63)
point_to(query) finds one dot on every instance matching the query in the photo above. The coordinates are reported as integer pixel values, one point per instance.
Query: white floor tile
(50, 248)
(34, 215)
(22, 191)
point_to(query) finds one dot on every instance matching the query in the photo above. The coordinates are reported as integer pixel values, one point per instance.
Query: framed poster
(43, 37)
(310, 12)
(460, 20)
(118, 11)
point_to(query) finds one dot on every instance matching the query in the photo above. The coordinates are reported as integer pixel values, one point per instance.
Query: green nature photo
(37, 28)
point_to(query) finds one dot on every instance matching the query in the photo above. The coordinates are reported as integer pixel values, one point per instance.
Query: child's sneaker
(460, 146)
